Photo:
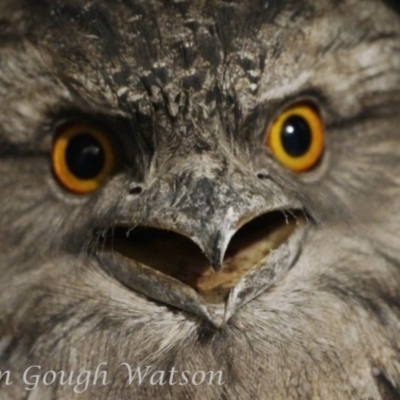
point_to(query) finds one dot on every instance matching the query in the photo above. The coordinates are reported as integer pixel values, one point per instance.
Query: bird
(199, 199)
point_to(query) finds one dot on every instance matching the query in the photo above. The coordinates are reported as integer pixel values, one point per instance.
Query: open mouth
(153, 261)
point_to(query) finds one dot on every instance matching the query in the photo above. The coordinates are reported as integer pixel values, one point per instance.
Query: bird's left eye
(83, 157)
(296, 137)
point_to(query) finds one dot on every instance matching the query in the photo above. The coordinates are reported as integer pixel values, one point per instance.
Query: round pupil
(85, 156)
(296, 136)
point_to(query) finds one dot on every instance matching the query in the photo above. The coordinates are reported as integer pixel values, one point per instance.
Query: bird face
(209, 186)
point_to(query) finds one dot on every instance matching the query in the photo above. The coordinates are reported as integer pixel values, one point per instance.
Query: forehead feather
(166, 53)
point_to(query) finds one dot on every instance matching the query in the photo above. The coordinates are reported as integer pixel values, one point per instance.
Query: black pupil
(85, 156)
(296, 136)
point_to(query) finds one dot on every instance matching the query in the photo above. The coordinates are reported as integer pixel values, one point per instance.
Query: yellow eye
(297, 137)
(82, 157)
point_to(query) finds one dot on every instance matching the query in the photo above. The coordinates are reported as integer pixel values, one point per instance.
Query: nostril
(262, 175)
(135, 190)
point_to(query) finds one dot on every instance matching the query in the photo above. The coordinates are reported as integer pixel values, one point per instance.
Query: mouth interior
(180, 258)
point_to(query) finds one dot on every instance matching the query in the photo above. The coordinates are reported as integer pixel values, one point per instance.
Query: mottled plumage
(188, 89)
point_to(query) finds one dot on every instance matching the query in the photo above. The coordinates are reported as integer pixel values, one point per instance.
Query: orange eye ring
(296, 137)
(82, 158)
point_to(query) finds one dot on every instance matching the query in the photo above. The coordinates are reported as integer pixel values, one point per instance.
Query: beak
(214, 238)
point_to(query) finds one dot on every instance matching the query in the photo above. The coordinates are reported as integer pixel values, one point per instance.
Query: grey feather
(187, 90)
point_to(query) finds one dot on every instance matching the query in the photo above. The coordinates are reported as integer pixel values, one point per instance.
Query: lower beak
(209, 245)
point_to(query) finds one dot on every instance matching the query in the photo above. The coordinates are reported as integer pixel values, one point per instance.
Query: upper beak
(231, 230)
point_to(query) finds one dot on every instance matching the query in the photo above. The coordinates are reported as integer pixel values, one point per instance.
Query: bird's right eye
(82, 157)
